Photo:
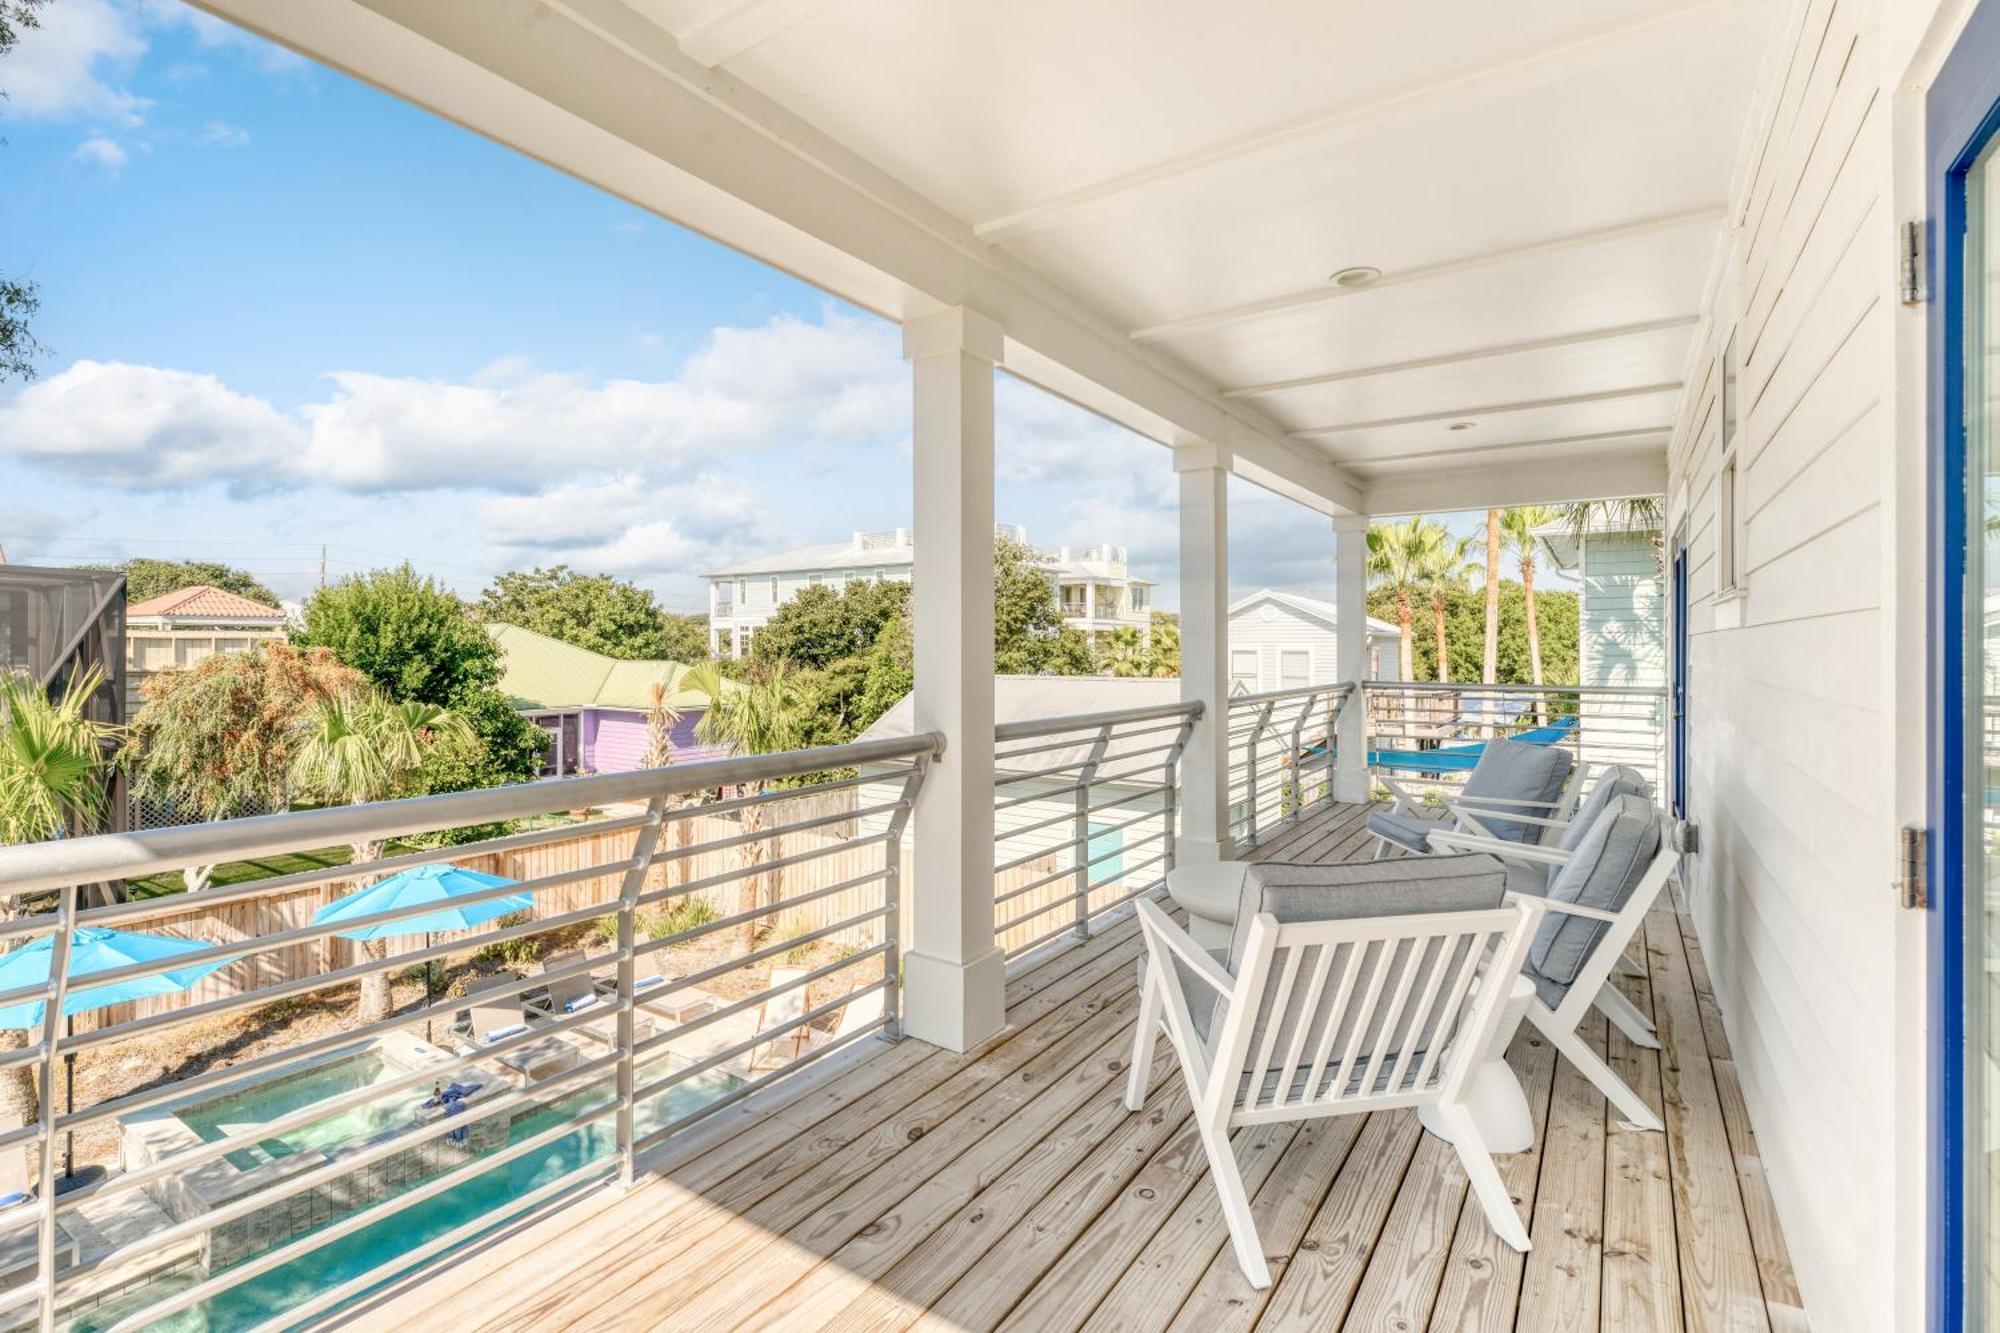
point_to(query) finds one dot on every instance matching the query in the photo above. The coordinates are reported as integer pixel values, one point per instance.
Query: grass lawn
(236, 872)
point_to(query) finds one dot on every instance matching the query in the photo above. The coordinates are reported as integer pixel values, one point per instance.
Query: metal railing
(1281, 753)
(1076, 799)
(266, 1216)
(1430, 734)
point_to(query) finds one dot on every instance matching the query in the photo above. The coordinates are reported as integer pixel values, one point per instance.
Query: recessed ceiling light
(1357, 275)
(1462, 425)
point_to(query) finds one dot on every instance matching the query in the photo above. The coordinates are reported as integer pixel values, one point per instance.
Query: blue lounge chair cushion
(578, 1002)
(1615, 782)
(1516, 771)
(14, 1198)
(1602, 872)
(1407, 831)
(501, 1034)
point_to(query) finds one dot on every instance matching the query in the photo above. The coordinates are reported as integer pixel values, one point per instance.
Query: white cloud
(221, 134)
(66, 67)
(100, 152)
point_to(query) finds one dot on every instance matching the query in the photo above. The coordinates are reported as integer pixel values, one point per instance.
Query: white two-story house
(1094, 586)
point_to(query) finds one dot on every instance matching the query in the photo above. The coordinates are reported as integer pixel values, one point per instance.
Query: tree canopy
(595, 611)
(1029, 637)
(19, 299)
(1465, 618)
(819, 626)
(145, 579)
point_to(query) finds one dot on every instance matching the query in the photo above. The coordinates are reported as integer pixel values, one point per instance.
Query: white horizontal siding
(1785, 686)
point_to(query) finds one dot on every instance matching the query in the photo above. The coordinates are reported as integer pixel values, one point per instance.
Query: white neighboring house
(1620, 634)
(1278, 640)
(1097, 591)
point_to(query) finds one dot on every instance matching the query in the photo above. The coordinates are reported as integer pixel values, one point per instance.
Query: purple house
(593, 706)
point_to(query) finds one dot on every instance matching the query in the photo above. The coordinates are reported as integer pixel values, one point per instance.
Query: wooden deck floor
(1008, 1188)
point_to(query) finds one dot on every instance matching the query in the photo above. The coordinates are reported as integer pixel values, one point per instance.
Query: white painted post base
(952, 1004)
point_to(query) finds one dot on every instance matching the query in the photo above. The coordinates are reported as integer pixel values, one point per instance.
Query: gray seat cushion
(1517, 771)
(1341, 892)
(1531, 879)
(1612, 783)
(1602, 872)
(1408, 831)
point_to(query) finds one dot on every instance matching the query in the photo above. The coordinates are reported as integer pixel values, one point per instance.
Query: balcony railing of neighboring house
(1413, 726)
(1280, 755)
(1084, 817)
(605, 1065)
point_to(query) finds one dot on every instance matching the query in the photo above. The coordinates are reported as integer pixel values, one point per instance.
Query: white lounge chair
(772, 1015)
(1346, 989)
(1598, 890)
(1513, 789)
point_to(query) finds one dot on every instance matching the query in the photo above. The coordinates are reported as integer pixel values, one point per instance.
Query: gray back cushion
(1602, 872)
(1611, 784)
(1518, 771)
(1294, 892)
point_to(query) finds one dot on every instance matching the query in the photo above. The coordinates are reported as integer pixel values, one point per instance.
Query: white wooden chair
(1513, 792)
(1598, 893)
(1333, 1017)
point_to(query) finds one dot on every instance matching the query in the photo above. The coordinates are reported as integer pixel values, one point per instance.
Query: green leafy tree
(766, 715)
(1400, 556)
(1029, 637)
(891, 673)
(594, 611)
(1163, 646)
(660, 718)
(820, 626)
(416, 642)
(219, 737)
(1122, 652)
(359, 746)
(1465, 612)
(146, 579)
(684, 636)
(1447, 567)
(19, 299)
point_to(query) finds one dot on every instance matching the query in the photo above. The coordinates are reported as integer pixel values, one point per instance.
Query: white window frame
(774, 590)
(1729, 581)
(1306, 653)
(1256, 674)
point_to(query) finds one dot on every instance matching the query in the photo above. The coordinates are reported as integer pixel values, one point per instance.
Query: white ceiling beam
(596, 89)
(1326, 292)
(1493, 452)
(1603, 477)
(741, 27)
(1537, 67)
(1489, 353)
(1494, 409)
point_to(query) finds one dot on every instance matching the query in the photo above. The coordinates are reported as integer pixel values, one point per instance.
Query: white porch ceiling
(1153, 194)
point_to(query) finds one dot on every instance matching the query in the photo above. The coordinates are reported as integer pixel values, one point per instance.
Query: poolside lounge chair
(495, 1012)
(1514, 784)
(777, 1011)
(1597, 892)
(577, 992)
(860, 1011)
(1345, 989)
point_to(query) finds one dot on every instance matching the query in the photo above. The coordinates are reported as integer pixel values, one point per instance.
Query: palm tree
(660, 718)
(359, 746)
(52, 762)
(767, 715)
(1397, 558)
(1163, 647)
(1489, 660)
(1444, 564)
(1519, 525)
(1123, 653)
(1639, 513)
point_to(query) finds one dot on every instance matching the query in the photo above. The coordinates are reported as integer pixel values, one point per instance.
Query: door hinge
(1911, 252)
(1915, 846)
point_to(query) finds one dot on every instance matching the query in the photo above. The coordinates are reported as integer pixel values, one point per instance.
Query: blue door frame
(1677, 700)
(1961, 114)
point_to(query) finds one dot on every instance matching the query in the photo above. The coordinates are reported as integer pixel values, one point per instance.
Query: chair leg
(1142, 1041)
(1236, 1207)
(1637, 1114)
(1625, 1016)
(1487, 1186)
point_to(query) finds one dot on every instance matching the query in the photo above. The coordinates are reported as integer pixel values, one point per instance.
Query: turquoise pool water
(487, 1195)
(263, 1102)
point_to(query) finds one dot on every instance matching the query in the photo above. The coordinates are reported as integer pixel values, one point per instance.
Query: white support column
(1350, 643)
(1204, 810)
(954, 978)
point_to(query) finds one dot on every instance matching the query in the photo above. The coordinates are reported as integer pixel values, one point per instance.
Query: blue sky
(284, 310)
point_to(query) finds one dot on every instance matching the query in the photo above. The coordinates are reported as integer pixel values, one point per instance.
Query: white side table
(1492, 1093)
(1209, 892)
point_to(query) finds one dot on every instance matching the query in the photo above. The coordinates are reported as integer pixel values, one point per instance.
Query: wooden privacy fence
(828, 859)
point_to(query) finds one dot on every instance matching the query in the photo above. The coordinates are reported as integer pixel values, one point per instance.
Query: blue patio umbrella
(96, 949)
(438, 884)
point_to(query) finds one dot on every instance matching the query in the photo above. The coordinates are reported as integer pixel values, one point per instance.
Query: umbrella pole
(69, 1099)
(427, 989)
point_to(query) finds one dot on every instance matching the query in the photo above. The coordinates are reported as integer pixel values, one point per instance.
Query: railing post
(1169, 786)
(1298, 735)
(57, 992)
(644, 845)
(1250, 764)
(1080, 832)
(892, 890)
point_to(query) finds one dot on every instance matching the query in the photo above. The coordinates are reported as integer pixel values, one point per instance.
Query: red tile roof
(204, 600)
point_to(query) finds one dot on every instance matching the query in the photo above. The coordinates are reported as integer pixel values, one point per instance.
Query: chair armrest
(1526, 853)
(1505, 802)
(1567, 909)
(1181, 944)
(1407, 801)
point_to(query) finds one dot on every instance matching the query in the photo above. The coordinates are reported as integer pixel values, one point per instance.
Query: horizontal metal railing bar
(756, 956)
(1049, 726)
(1099, 780)
(769, 796)
(716, 1015)
(1074, 740)
(1039, 940)
(1487, 687)
(1087, 765)
(239, 1273)
(1068, 900)
(762, 1037)
(747, 915)
(576, 1181)
(1070, 870)
(734, 1095)
(39, 867)
(748, 870)
(668, 854)
(248, 1204)
(1069, 815)
(1292, 692)
(1079, 840)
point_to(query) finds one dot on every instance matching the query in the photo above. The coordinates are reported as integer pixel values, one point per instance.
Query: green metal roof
(541, 672)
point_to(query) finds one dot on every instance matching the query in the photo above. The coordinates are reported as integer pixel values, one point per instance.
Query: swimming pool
(489, 1195)
(262, 1102)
